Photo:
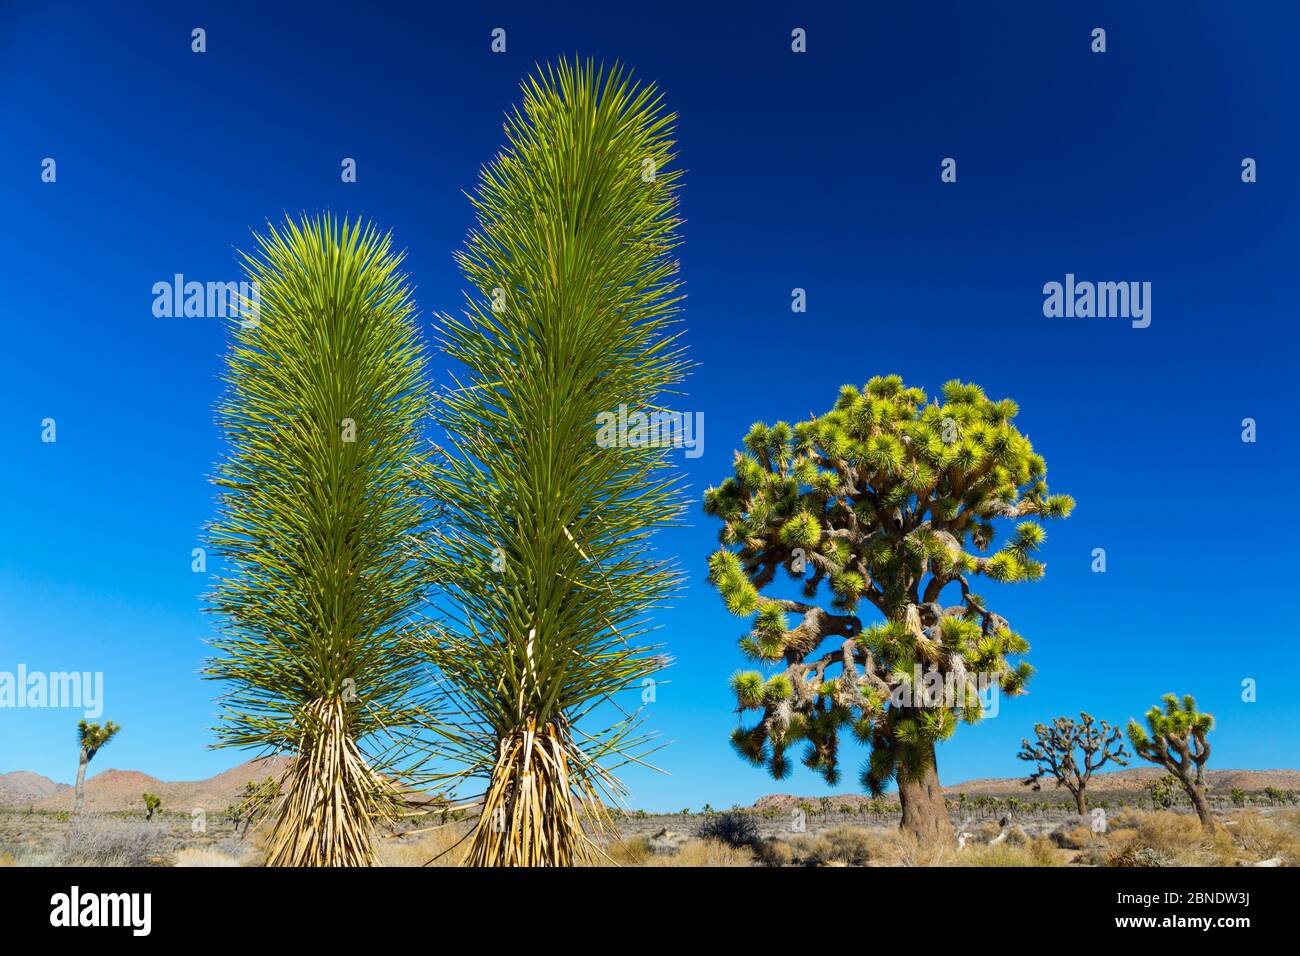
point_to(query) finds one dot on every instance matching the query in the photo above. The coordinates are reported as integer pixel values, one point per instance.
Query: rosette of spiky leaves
(323, 498)
(888, 500)
(1174, 737)
(573, 299)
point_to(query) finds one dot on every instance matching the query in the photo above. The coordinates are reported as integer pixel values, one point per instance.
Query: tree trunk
(1202, 808)
(1081, 801)
(81, 782)
(925, 815)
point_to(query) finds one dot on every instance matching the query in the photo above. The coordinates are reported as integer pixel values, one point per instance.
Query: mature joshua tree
(321, 501)
(1053, 750)
(574, 294)
(1175, 738)
(91, 737)
(879, 499)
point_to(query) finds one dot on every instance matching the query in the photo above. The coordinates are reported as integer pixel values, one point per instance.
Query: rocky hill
(22, 787)
(122, 789)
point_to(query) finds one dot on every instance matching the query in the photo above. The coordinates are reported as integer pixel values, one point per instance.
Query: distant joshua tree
(1053, 750)
(92, 737)
(152, 804)
(1237, 796)
(1161, 792)
(1175, 739)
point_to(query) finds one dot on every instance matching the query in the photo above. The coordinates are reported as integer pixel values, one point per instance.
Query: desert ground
(998, 822)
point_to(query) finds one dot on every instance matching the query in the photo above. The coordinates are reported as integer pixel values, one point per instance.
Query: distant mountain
(122, 789)
(1119, 781)
(22, 787)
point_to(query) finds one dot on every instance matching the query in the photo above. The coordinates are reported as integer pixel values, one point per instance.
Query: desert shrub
(1039, 851)
(774, 852)
(1017, 836)
(442, 846)
(103, 841)
(1178, 837)
(1072, 836)
(904, 849)
(633, 851)
(1258, 837)
(733, 829)
(1125, 819)
(810, 850)
(851, 845)
(203, 856)
(984, 831)
(704, 853)
(1136, 855)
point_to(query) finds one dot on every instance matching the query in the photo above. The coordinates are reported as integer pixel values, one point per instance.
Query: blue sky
(818, 171)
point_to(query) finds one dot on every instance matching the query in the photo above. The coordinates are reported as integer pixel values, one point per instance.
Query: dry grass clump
(903, 849)
(1078, 837)
(440, 846)
(1036, 851)
(703, 853)
(1171, 839)
(1258, 837)
(841, 846)
(809, 850)
(774, 852)
(201, 856)
(633, 851)
(1124, 819)
(852, 846)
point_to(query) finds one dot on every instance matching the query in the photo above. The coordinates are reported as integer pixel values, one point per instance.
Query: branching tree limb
(1053, 750)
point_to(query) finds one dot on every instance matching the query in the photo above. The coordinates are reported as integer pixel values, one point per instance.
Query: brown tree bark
(925, 815)
(1081, 801)
(1202, 807)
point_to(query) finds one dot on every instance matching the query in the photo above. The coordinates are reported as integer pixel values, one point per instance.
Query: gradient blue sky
(819, 171)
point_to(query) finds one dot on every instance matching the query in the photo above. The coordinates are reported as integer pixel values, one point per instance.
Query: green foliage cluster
(886, 501)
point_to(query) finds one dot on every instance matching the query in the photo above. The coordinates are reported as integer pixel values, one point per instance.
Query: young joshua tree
(91, 737)
(1175, 738)
(322, 496)
(879, 500)
(1053, 750)
(152, 804)
(574, 295)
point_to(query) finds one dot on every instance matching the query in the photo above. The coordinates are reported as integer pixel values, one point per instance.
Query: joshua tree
(879, 499)
(1053, 751)
(1161, 791)
(569, 319)
(1175, 739)
(152, 804)
(91, 738)
(256, 800)
(321, 502)
(1237, 796)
